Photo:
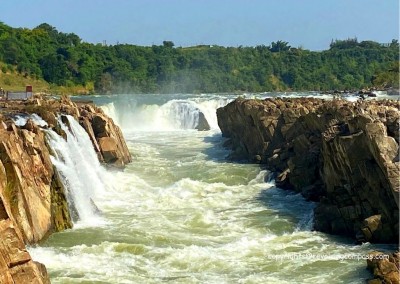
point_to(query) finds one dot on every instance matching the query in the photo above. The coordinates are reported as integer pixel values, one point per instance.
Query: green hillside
(62, 62)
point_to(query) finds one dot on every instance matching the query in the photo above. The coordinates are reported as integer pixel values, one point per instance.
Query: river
(182, 213)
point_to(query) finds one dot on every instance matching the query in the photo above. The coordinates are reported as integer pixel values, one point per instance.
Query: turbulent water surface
(181, 213)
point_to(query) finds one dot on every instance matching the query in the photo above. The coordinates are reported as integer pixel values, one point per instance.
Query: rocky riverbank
(341, 154)
(32, 198)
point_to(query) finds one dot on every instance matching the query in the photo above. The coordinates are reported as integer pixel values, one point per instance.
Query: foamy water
(181, 213)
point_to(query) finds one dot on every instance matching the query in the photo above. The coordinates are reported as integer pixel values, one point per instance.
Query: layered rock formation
(105, 135)
(342, 154)
(16, 265)
(29, 191)
(32, 201)
(32, 198)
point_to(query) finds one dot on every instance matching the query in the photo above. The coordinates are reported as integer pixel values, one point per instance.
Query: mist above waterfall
(131, 113)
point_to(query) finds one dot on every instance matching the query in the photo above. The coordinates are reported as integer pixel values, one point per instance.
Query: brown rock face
(109, 149)
(106, 137)
(32, 202)
(32, 198)
(27, 184)
(91, 118)
(385, 269)
(16, 265)
(342, 154)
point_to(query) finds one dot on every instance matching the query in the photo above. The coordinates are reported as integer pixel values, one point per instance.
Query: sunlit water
(181, 213)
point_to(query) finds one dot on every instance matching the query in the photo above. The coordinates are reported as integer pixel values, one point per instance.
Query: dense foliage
(63, 59)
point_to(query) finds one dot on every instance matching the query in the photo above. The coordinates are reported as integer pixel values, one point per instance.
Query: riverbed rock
(16, 265)
(342, 154)
(202, 125)
(384, 267)
(32, 197)
(107, 136)
(32, 202)
(27, 184)
(92, 118)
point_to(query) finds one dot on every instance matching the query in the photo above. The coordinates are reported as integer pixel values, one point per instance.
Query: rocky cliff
(32, 198)
(342, 154)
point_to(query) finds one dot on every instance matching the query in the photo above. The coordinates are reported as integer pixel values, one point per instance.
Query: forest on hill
(64, 59)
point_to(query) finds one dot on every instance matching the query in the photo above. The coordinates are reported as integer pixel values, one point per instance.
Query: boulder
(203, 123)
(109, 149)
(106, 137)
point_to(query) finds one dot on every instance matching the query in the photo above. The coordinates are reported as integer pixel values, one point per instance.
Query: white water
(79, 168)
(175, 114)
(20, 120)
(180, 213)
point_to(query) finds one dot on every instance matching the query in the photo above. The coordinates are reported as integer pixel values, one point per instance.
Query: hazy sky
(308, 23)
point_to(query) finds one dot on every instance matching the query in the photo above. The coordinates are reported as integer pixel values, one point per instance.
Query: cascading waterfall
(79, 168)
(181, 213)
(172, 115)
(21, 119)
(110, 110)
(182, 114)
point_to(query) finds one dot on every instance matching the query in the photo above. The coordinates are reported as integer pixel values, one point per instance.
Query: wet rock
(16, 265)
(32, 198)
(27, 175)
(341, 153)
(109, 149)
(107, 135)
(203, 123)
(384, 267)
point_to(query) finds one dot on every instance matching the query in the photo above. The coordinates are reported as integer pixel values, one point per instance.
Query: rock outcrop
(101, 129)
(32, 198)
(384, 267)
(29, 191)
(342, 154)
(32, 201)
(16, 265)
(203, 124)
(105, 135)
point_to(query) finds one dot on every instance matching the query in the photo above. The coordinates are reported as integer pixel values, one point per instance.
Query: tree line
(63, 59)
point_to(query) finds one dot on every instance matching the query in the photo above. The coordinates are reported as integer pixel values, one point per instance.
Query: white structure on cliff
(20, 95)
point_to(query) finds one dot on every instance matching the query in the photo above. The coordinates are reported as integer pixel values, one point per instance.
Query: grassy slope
(17, 82)
(14, 81)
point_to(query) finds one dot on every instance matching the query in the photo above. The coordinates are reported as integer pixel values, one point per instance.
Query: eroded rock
(340, 153)
(384, 267)
(32, 197)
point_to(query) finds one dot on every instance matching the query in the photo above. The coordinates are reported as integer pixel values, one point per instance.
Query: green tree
(279, 46)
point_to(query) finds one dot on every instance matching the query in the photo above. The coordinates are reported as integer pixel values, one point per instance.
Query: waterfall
(176, 114)
(181, 114)
(21, 119)
(110, 110)
(81, 173)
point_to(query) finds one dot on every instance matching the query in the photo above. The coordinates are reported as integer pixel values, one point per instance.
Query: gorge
(34, 195)
(181, 211)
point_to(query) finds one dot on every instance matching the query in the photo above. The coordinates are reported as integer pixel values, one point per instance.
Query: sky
(310, 24)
